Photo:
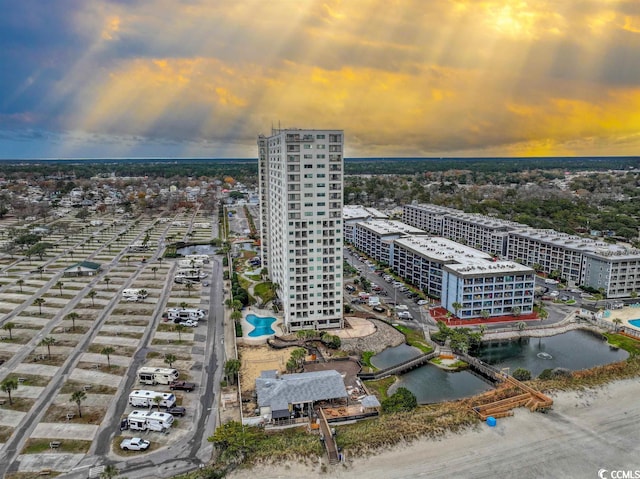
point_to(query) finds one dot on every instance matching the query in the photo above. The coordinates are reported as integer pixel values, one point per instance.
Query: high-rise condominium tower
(301, 182)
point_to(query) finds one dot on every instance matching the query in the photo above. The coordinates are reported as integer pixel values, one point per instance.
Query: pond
(572, 350)
(429, 383)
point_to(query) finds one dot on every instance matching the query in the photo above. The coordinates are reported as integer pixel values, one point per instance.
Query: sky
(435, 78)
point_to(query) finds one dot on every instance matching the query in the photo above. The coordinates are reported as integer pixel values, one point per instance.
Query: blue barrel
(491, 421)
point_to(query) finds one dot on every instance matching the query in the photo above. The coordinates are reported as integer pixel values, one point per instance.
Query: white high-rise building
(301, 200)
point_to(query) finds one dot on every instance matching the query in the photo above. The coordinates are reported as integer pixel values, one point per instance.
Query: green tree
(617, 322)
(60, 285)
(20, 283)
(9, 384)
(231, 369)
(48, 342)
(8, 326)
(235, 441)
(107, 280)
(156, 401)
(110, 471)
(39, 302)
(72, 316)
(456, 307)
(155, 270)
(170, 358)
(189, 287)
(298, 356)
(522, 374)
(180, 328)
(522, 325)
(92, 294)
(77, 397)
(516, 311)
(401, 401)
(108, 351)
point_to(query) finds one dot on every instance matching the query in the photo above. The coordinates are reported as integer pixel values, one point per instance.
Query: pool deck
(625, 314)
(247, 327)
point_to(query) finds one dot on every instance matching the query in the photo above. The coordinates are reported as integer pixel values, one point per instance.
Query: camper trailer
(144, 398)
(192, 274)
(153, 376)
(198, 257)
(149, 421)
(177, 315)
(134, 294)
(190, 263)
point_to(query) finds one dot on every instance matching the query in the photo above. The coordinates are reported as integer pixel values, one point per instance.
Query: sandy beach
(586, 431)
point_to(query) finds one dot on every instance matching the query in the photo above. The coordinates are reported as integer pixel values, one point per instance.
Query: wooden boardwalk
(401, 368)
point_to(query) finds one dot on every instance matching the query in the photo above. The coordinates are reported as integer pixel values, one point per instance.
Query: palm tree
(155, 270)
(107, 280)
(77, 397)
(40, 270)
(231, 369)
(48, 342)
(170, 358)
(72, 317)
(236, 315)
(59, 285)
(522, 325)
(92, 294)
(20, 282)
(39, 302)
(456, 307)
(108, 351)
(143, 293)
(515, 311)
(617, 322)
(156, 400)
(184, 305)
(189, 287)
(485, 314)
(8, 327)
(128, 257)
(180, 328)
(110, 471)
(8, 385)
(160, 259)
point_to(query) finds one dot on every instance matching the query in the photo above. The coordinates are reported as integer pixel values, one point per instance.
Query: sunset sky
(202, 78)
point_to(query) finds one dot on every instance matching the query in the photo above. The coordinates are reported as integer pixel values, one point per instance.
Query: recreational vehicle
(134, 294)
(198, 257)
(148, 375)
(190, 263)
(176, 314)
(192, 274)
(149, 421)
(144, 398)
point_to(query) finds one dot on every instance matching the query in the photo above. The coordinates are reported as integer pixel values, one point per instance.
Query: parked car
(182, 386)
(190, 322)
(134, 444)
(379, 309)
(404, 315)
(422, 302)
(177, 411)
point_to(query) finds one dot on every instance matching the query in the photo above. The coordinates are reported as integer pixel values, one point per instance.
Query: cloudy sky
(202, 78)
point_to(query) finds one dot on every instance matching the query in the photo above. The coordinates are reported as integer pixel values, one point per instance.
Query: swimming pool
(635, 322)
(261, 325)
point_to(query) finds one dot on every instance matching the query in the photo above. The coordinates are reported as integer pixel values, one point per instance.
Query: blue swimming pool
(635, 322)
(261, 325)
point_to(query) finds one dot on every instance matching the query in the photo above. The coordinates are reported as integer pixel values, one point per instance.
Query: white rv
(198, 257)
(134, 294)
(190, 263)
(149, 420)
(192, 274)
(144, 398)
(153, 376)
(177, 314)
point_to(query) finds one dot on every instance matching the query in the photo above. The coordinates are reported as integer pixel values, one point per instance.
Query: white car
(134, 444)
(422, 302)
(191, 323)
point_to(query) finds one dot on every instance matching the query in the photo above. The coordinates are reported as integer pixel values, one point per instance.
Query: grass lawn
(632, 346)
(38, 446)
(415, 338)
